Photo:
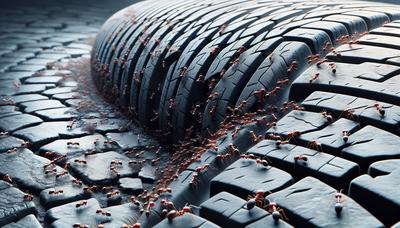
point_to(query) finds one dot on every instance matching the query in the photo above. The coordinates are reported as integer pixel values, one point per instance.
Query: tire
(280, 82)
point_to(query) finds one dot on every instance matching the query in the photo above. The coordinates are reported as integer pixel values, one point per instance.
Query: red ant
(321, 62)
(254, 137)
(28, 197)
(12, 151)
(276, 212)
(327, 116)
(214, 51)
(326, 46)
(294, 134)
(116, 162)
(314, 78)
(349, 113)
(78, 225)
(280, 142)
(379, 108)
(338, 199)
(262, 162)
(103, 212)
(114, 193)
(194, 180)
(248, 156)
(333, 67)
(81, 203)
(174, 213)
(270, 56)
(313, 58)
(79, 161)
(345, 134)
(283, 82)
(107, 189)
(56, 192)
(314, 144)
(77, 182)
(273, 137)
(114, 170)
(292, 67)
(183, 71)
(300, 157)
(49, 154)
(73, 143)
(90, 152)
(202, 168)
(63, 173)
(50, 171)
(91, 188)
(136, 225)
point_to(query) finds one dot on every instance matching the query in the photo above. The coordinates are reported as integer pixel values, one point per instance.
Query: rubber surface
(300, 100)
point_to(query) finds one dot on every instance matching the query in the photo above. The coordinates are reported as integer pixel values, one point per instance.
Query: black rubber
(246, 63)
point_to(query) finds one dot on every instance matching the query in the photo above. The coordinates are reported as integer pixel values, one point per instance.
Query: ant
(300, 157)
(90, 152)
(314, 144)
(314, 77)
(103, 212)
(327, 116)
(12, 151)
(202, 168)
(263, 162)
(81, 203)
(50, 171)
(345, 134)
(292, 67)
(273, 137)
(379, 108)
(313, 58)
(294, 134)
(56, 192)
(91, 188)
(79, 161)
(280, 142)
(114, 170)
(77, 182)
(49, 154)
(73, 144)
(63, 173)
(163, 190)
(116, 162)
(194, 180)
(136, 225)
(114, 193)
(326, 46)
(283, 82)
(349, 113)
(255, 138)
(338, 200)
(28, 197)
(78, 225)
(276, 212)
(175, 213)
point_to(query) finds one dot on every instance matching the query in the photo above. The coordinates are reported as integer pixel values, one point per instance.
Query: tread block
(315, 39)
(375, 193)
(186, 220)
(354, 108)
(353, 24)
(301, 121)
(383, 167)
(244, 177)
(380, 41)
(331, 137)
(371, 144)
(335, 171)
(335, 30)
(227, 210)
(311, 203)
(373, 19)
(351, 79)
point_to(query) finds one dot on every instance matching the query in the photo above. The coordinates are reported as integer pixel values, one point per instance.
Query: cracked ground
(60, 143)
